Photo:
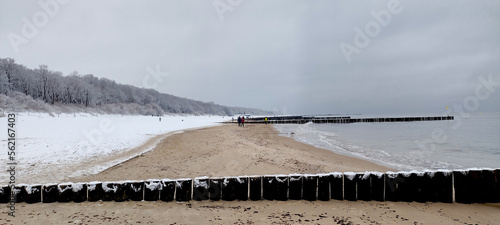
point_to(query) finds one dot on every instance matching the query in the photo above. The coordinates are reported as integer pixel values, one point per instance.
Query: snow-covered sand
(56, 148)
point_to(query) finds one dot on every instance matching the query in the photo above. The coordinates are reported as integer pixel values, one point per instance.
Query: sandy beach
(253, 150)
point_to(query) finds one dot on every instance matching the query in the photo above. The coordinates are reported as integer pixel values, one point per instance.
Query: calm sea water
(462, 143)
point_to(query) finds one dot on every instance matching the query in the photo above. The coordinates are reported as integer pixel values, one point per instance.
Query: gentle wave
(408, 146)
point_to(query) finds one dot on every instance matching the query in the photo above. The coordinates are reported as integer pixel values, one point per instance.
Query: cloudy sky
(294, 56)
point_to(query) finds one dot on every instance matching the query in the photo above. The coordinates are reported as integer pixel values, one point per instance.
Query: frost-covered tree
(44, 86)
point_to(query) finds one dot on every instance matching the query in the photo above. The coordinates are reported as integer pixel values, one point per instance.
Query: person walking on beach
(239, 121)
(243, 121)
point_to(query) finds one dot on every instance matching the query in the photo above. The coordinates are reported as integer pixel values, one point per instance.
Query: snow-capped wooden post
(34, 193)
(364, 190)
(268, 187)
(136, 190)
(50, 193)
(122, 191)
(167, 191)
(215, 189)
(464, 186)
(488, 183)
(65, 192)
(95, 191)
(295, 186)
(406, 186)
(108, 191)
(5, 194)
(242, 188)
(324, 186)
(152, 190)
(337, 186)
(377, 186)
(20, 193)
(280, 187)
(350, 186)
(392, 183)
(200, 188)
(443, 179)
(79, 192)
(481, 185)
(310, 187)
(183, 189)
(229, 186)
(429, 187)
(419, 186)
(496, 196)
(255, 188)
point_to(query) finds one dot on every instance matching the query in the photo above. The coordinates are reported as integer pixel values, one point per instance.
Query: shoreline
(252, 150)
(366, 159)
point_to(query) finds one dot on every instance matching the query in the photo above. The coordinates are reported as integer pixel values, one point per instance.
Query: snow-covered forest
(43, 90)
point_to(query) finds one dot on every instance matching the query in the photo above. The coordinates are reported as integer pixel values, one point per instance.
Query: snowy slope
(52, 149)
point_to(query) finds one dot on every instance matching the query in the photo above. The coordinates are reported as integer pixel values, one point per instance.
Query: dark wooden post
(310, 187)
(256, 188)
(268, 187)
(34, 193)
(324, 186)
(363, 182)
(95, 191)
(167, 191)
(183, 190)
(5, 194)
(406, 186)
(108, 191)
(281, 187)
(430, 190)
(20, 193)
(496, 196)
(488, 185)
(464, 186)
(337, 186)
(444, 186)
(152, 190)
(79, 192)
(122, 192)
(50, 193)
(200, 188)
(419, 186)
(215, 189)
(229, 186)
(242, 188)
(392, 181)
(378, 186)
(295, 186)
(65, 192)
(350, 186)
(136, 191)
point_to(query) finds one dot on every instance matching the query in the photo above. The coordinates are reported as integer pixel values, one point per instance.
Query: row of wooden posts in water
(462, 186)
(346, 119)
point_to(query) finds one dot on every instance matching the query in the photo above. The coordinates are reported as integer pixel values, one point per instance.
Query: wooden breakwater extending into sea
(342, 119)
(461, 186)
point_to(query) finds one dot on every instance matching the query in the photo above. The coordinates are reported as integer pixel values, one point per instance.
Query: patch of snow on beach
(48, 145)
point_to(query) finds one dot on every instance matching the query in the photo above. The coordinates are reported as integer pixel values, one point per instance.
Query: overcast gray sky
(293, 56)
